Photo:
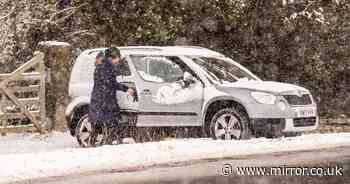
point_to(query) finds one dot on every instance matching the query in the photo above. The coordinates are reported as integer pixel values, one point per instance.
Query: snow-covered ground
(25, 156)
(35, 143)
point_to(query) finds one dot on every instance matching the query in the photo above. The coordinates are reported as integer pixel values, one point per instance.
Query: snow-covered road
(25, 157)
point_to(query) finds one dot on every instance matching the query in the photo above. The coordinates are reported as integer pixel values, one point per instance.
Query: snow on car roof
(165, 50)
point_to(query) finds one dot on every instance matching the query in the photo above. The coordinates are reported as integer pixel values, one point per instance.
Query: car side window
(124, 69)
(159, 69)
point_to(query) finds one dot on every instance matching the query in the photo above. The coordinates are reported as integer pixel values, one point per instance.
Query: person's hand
(131, 92)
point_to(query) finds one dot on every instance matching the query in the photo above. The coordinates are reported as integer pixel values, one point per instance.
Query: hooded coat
(104, 106)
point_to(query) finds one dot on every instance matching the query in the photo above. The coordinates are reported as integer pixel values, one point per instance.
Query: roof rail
(194, 47)
(95, 50)
(141, 48)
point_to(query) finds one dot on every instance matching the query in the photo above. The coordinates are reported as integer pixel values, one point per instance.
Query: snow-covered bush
(306, 43)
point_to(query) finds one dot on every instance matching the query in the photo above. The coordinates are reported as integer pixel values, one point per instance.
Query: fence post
(3, 121)
(58, 61)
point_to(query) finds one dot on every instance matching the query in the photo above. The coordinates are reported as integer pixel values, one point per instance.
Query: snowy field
(28, 156)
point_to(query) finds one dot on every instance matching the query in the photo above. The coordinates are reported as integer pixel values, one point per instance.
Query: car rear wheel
(84, 133)
(229, 124)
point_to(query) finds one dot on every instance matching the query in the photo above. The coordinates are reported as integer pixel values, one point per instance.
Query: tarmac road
(211, 171)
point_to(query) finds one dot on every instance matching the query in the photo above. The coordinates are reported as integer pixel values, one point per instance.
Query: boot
(93, 135)
(112, 134)
(107, 132)
(117, 138)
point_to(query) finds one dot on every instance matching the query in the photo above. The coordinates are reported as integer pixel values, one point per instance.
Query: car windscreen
(221, 70)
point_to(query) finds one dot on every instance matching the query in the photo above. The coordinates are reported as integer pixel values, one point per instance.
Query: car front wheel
(229, 124)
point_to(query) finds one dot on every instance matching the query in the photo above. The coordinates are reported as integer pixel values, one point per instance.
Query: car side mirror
(188, 79)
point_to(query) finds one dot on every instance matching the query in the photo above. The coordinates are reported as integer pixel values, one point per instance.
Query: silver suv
(195, 87)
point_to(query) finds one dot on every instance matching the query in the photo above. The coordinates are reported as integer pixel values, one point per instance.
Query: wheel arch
(219, 103)
(77, 112)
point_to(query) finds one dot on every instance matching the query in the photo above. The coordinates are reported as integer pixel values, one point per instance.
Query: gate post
(58, 63)
(3, 121)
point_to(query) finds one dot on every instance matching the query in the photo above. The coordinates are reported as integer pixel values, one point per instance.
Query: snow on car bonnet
(276, 87)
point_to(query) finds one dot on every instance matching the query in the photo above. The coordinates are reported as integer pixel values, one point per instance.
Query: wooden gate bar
(21, 89)
(24, 101)
(25, 76)
(17, 74)
(9, 116)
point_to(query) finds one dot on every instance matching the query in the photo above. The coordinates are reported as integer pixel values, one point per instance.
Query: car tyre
(84, 135)
(230, 123)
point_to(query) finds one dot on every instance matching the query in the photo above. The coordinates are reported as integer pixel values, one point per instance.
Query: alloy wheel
(227, 127)
(85, 132)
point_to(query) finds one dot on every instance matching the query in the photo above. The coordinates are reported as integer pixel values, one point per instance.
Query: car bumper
(284, 125)
(301, 124)
(290, 119)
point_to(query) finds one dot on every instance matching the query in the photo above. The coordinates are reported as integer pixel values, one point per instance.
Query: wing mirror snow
(188, 79)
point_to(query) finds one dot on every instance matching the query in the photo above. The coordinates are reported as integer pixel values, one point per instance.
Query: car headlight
(282, 105)
(264, 98)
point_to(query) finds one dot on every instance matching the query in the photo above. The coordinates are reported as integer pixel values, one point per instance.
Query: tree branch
(8, 15)
(81, 32)
(71, 10)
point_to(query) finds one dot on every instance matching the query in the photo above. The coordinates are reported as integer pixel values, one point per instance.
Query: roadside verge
(67, 161)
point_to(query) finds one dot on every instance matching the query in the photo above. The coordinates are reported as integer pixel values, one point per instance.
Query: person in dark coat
(104, 108)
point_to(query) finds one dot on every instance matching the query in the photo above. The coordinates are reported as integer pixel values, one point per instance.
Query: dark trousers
(109, 124)
(109, 129)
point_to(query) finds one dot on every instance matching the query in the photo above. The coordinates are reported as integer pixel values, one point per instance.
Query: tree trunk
(58, 62)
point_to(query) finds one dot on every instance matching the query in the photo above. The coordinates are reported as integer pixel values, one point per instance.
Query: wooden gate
(22, 97)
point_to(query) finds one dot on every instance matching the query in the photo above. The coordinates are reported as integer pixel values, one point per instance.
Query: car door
(126, 77)
(164, 98)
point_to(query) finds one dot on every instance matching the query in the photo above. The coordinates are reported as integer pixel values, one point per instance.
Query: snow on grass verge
(35, 143)
(25, 166)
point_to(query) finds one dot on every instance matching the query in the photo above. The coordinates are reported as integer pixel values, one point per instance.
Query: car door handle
(146, 92)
